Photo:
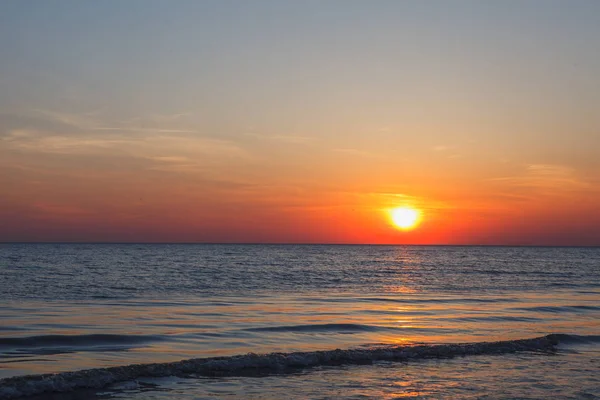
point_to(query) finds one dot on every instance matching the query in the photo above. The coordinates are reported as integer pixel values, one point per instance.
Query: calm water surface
(69, 307)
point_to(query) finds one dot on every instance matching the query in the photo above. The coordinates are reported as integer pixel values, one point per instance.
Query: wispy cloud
(157, 118)
(440, 148)
(384, 200)
(176, 153)
(156, 138)
(357, 152)
(61, 210)
(12, 122)
(449, 151)
(64, 123)
(170, 159)
(144, 130)
(36, 141)
(291, 139)
(81, 121)
(547, 179)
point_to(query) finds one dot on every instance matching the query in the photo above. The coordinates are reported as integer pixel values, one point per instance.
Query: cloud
(11, 122)
(449, 151)
(547, 179)
(146, 137)
(357, 153)
(42, 142)
(157, 118)
(292, 139)
(175, 153)
(61, 210)
(85, 121)
(143, 130)
(382, 200)
(170, 159)
(153, 145)
(63, 123)
(441, 148)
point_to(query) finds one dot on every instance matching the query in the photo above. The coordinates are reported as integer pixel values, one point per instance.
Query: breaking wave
(15, 387)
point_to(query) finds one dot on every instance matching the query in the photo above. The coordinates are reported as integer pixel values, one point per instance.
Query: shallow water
(72, 307)
(573, 375)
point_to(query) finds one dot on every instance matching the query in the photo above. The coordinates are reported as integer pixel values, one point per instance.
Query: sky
(300, 121)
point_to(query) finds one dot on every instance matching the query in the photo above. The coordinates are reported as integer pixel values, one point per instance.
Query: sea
(82, 321)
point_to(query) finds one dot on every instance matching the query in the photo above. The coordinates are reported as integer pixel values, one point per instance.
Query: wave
(340, 328)
(457, 300)
(495, 318)
(577, 339)
(15, 387)
(77, 340)
(317, 328)
(57, 344)
(559, 309)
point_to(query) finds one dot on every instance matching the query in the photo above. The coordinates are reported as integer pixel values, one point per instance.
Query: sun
(405, 218)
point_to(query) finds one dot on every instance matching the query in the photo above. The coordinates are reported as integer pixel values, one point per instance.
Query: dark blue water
(68, 307)
(87, 272)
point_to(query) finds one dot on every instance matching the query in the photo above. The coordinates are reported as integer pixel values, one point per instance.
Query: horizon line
(303, 244)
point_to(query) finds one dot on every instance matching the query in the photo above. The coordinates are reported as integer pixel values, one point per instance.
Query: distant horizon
(313, 244)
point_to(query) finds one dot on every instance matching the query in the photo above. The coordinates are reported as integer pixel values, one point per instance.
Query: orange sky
(303, 124)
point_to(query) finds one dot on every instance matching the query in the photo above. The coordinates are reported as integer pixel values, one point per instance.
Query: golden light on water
(405, 218)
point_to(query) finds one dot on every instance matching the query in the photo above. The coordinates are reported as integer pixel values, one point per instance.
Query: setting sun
(405, 218)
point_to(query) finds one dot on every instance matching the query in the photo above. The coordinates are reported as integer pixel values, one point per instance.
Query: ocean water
(73, 307)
